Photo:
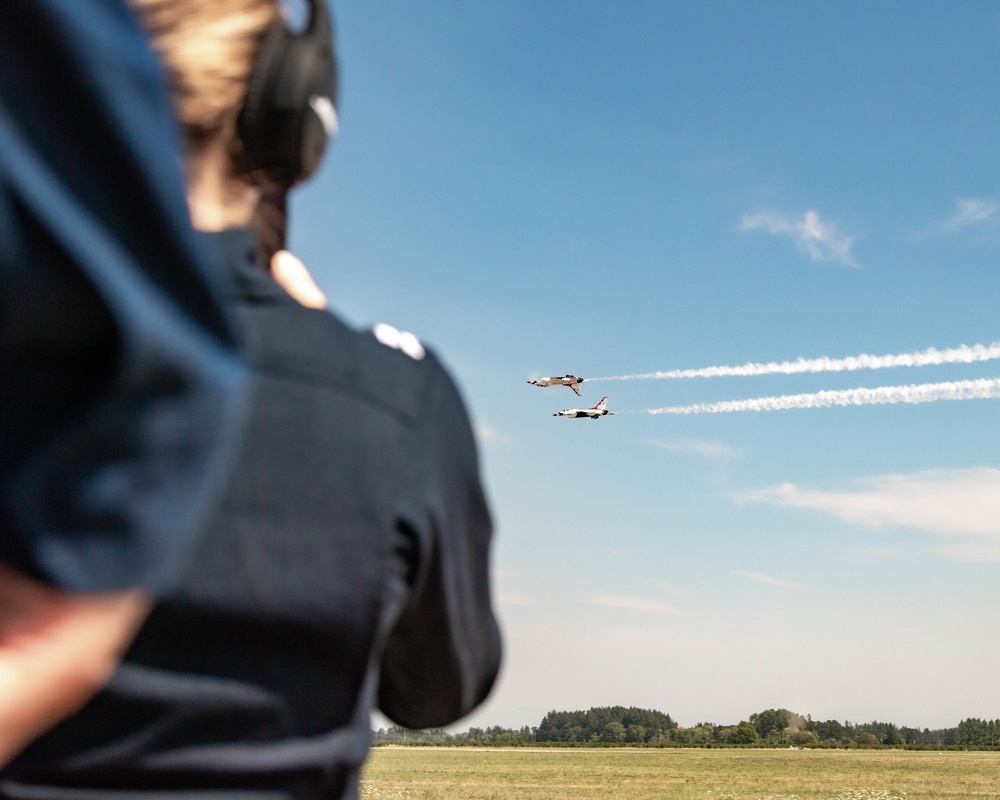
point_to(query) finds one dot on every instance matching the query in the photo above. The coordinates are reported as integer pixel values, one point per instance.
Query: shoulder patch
(399, 340)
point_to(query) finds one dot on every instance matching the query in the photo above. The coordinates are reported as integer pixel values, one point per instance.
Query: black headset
(289, 114)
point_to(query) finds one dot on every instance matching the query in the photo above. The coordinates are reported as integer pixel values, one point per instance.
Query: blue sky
(607, 189)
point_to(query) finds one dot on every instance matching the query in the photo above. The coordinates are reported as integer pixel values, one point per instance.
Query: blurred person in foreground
(346, 566)
(120, 384)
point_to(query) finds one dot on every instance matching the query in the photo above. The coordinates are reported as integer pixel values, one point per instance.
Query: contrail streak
(983, 388)
(963, 354)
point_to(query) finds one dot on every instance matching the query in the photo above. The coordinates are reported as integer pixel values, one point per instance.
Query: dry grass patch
(673, 774)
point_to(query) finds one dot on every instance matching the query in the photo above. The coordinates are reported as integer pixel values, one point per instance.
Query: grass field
(430, 773)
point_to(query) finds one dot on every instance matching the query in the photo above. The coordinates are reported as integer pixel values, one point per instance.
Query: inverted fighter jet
(571, 381)
(600, 410)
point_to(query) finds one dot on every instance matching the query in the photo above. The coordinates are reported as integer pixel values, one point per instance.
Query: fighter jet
(600, 410)
(571, 381)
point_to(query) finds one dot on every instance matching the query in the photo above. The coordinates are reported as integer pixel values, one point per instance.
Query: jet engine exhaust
(983, 388)
(963, 354)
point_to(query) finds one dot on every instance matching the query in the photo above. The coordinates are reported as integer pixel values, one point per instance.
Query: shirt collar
(235, 248)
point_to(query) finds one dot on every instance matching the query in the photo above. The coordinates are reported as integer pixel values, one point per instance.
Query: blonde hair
(207, 48)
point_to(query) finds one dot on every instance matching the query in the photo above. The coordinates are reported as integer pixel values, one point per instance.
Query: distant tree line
(639, 727)
(614, 725)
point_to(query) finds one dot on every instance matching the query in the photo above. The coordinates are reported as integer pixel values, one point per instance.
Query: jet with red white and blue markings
(594, 412)
(571, 381)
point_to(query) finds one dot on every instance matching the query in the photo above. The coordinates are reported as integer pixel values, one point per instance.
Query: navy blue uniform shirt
(346, 567)
(120, 388)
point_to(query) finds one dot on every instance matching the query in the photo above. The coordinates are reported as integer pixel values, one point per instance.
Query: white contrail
(963, 354)
(983, 388)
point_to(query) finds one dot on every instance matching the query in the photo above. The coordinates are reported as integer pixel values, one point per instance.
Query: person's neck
(217, 201)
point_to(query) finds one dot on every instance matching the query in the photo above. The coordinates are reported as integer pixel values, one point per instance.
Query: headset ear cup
(249, 156)
(288, 115)
(314, 141)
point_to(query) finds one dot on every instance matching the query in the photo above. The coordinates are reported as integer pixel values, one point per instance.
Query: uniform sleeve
(121, 391)
(444, 652)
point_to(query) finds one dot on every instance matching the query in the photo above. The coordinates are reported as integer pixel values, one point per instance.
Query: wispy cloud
(635, 604)
(973, 214)
(970, 212)
(766, 579)
(712, 449)
(818, 239)
(486, 435)
(962, 505)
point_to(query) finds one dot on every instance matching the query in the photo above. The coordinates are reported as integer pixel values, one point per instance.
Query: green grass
(437, 773)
